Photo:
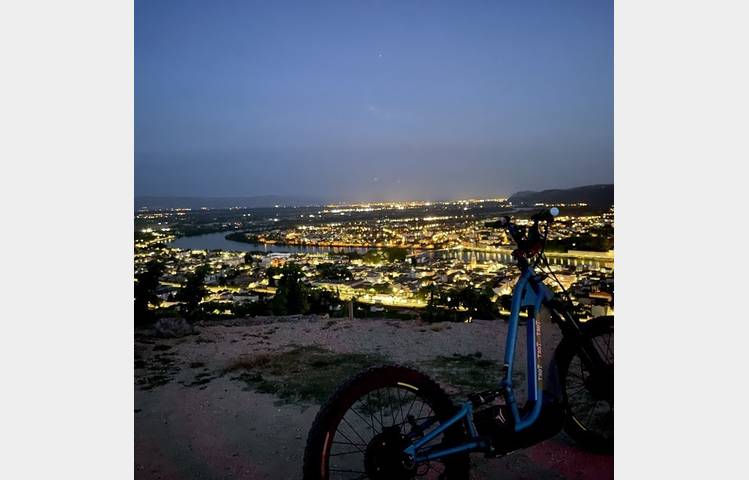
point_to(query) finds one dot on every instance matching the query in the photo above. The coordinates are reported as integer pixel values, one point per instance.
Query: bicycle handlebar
(501, 223)
(546, 214)
(529, 244)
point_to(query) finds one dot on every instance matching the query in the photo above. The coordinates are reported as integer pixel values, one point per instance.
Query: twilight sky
(372, 100)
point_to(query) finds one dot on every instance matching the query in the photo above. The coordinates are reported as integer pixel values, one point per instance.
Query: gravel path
(193, 422)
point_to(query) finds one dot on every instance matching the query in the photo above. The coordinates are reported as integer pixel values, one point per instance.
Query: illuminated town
(398, 260)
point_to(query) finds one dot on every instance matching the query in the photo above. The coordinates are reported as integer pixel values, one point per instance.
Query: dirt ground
(198, 416)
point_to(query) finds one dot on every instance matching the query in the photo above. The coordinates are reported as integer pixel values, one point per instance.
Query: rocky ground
(236, 400)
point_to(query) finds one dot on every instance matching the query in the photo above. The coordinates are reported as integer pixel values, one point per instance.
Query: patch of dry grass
(301, 374)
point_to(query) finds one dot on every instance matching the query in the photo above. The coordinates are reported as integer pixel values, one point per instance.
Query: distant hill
(597, 196)
(224, 202)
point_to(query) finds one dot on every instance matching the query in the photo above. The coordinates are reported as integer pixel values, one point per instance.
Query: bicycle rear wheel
(363, 428)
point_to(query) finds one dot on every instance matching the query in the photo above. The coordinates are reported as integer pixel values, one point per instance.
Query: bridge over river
(572, 258)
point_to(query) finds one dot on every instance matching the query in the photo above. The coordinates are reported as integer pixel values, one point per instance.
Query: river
(214, 241)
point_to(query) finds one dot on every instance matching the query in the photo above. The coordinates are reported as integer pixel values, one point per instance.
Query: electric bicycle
(391, 422)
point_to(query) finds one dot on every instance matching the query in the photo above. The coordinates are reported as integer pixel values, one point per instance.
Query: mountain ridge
(600, 196)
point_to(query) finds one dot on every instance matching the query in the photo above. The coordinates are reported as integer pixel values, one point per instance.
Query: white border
(66, 107)
(680, 106)
(66, 96)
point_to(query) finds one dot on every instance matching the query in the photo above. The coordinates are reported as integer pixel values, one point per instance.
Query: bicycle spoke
(582, 374)
(412, 404)
(379, 398)
(584, 406)
(355, 445)
(393, 411)
(356, 432)
(577, 392)
(420, 409)
(371, 414)
(400, 406)
(375, 411)
(340, 454)
(590, 412)
(371, 425)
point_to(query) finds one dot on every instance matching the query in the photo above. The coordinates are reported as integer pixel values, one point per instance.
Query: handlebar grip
(547, 214)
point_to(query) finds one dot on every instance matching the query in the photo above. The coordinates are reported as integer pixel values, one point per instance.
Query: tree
(331, 271)
(485, 307)
(271, 273)
(384, 288)
(385, 255)
(321, 301)
(432, 312)
(477, 302)
(146, 283)
(291, 293)
(193, 291)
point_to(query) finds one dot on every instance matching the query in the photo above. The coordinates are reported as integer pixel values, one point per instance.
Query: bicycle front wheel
(588, 390)
(363, 428)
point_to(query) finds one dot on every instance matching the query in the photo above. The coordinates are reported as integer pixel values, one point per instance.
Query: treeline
(457, 304)
(242, 237)
(293, 296)
(598, 240)
(378, 256)
(192, 230)
(190, 294)
(333, 271)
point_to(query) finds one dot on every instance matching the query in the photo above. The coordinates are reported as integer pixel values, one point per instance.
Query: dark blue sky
(372, 100)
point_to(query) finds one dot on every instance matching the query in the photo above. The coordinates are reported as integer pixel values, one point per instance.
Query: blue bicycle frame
(528, 291)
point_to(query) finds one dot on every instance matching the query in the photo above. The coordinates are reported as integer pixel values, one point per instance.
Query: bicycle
(410, 428)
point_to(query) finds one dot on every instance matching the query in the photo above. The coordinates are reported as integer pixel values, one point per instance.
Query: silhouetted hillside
(598, 196)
